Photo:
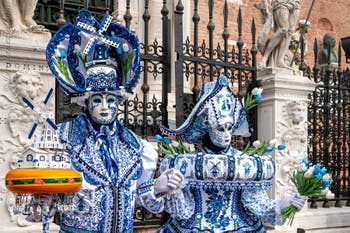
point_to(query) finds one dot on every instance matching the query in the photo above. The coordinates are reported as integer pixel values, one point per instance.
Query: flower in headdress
(77, 48)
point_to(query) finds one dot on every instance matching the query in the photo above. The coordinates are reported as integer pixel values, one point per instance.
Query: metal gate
(329, 127)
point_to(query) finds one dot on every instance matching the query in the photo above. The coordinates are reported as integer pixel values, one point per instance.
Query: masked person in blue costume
(98, 65)
(225, 189)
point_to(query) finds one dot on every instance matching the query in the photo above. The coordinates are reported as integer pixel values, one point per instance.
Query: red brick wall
(326, 17)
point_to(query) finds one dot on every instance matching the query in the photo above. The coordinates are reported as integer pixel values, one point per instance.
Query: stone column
(282, 114)
(23, 73)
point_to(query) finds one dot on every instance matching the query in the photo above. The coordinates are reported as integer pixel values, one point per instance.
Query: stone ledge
(322, 220)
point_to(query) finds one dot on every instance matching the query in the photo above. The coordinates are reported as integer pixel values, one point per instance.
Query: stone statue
(328, 51)
(295, 47)
(17, 16)
(281, 16)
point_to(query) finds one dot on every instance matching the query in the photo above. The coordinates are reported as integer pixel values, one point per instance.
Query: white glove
(169, 181)
(295, 200)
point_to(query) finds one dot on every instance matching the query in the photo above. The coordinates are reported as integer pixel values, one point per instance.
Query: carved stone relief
(292, 131)
(16, 123)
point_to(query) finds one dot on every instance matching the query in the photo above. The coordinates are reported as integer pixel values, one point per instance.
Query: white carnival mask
(103, 108)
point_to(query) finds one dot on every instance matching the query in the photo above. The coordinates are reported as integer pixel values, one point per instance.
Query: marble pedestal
(282, 114)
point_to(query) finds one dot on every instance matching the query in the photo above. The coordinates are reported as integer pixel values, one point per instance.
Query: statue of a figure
(328, 51)
(17, 15)
(295, 46)
(117, 165)
(281, 16)
(225, 189)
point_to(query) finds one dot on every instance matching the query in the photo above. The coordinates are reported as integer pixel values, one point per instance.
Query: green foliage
(173, 148)
(61, 65)
(82, 58)
(306, 186)
(250, 102)
(259, 150)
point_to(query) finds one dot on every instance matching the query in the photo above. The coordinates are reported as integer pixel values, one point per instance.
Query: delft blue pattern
(60, 36)
(229, 200)
(109, 199)
(197, 124)
(69, 36)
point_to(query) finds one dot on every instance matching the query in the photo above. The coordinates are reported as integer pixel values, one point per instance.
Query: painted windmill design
(98, 34)
(41, 113)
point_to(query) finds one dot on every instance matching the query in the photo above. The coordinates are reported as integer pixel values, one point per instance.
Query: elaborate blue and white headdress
(92, 57)
(216, 105)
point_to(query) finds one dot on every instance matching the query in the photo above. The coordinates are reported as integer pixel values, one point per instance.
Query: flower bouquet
(260, 148)
(168, 147)
(311, 181)
(253, 99)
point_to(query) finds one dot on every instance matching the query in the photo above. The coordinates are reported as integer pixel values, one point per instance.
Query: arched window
(58, 158)
(29, 157)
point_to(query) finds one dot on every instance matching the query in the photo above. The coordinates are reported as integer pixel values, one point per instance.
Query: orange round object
(43, 180)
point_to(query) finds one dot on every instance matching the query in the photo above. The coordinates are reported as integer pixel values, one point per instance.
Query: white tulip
(57, 53)
(272, 143)
(302, 167)
(256, 143)
(77, 48)
(257, 91)
(309, 173)
(174, 143)
(329, 195)
(125, 47)
(326, 177)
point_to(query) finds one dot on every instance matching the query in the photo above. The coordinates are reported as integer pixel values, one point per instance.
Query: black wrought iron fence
(329, 126)
(200, 62)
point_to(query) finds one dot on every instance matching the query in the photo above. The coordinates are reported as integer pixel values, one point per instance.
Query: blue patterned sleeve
(180, 204)
(145, 184)
(266, 209)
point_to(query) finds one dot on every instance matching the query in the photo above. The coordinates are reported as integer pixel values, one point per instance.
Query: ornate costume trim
(230, 185)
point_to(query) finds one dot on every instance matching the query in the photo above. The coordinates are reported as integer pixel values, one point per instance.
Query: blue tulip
(326, 183)
(268, 149)
(323, 171)
(281, 147)
(317, 169)
(167, 140)
(158, 138)
(119, 51)
(317, 176)
(306, 162)
(258, 97)
(62, 53)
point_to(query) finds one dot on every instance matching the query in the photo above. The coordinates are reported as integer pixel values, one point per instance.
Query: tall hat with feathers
(92, 56)
(217, 104)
